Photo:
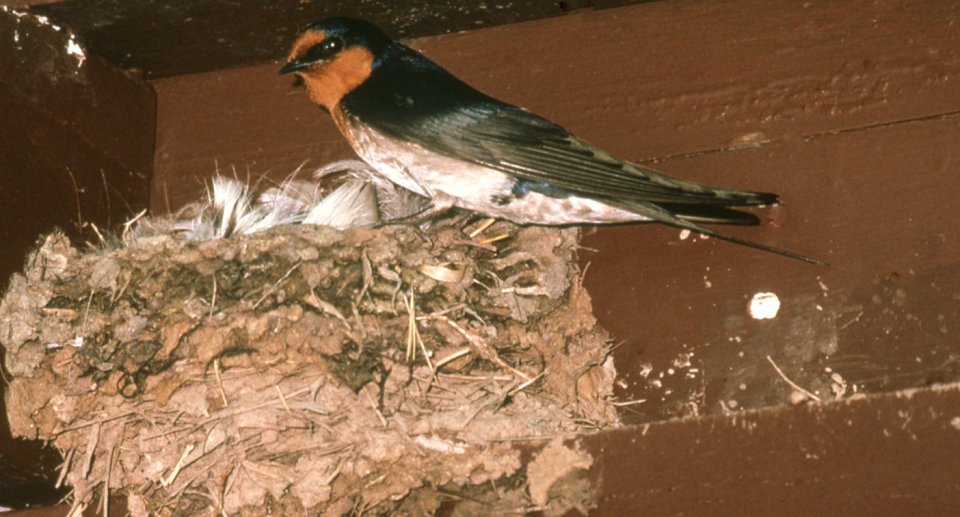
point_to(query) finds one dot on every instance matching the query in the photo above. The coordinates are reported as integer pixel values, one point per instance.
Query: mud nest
(307, 370)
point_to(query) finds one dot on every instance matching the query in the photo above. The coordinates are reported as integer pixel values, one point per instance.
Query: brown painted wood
(169, 37)
(76, 142)
(878, 204)
(72, 133)
(889, 455)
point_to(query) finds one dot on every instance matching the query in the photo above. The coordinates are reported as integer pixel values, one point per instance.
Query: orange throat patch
(327, 83)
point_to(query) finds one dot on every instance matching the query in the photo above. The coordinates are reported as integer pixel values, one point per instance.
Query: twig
(128, 224)
(482, 348)
(367, 275)
(524, 386)
(96, 422)
(66, 467)
(475, 378)
(491, 240)
(76, 192)
(453, 357)
(628, 402)
(91, 448)
(277, 283)
(106, 483)
(190, 482)
(97, 231)
(233, 411)
(336, 471)
(441, 312)
(326, 307)
(176, 470)
(411, 327)
(166, 196)
(356, 316)
(118, 294)
(413, 334)
(791, 383)
(228, 480)
(78, 509)
(253, 467)
(216, 371)
(283, 399)
(373, 404)
(483, 226)
(213, 299)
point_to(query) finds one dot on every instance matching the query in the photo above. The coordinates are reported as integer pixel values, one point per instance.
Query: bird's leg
(467, 220)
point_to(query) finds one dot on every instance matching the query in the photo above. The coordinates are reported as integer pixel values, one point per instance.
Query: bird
(431, 133)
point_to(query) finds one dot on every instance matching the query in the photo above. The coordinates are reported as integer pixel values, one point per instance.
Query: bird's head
(334, 56)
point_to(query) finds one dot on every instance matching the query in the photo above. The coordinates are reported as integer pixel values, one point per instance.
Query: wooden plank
(76, 143)
(165, 38)
(878, 456)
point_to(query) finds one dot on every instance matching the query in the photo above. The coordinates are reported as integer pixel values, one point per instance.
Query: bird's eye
(325, 49)
(333, 44)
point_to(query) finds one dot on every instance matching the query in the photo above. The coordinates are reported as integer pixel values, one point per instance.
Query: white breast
(472, 186)
(425, 172)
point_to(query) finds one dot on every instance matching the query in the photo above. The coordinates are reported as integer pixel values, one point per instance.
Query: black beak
(294, 66)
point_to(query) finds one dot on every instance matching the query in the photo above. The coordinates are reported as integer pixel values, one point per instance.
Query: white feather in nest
(231, 207)
(393, 201)
(353, 204)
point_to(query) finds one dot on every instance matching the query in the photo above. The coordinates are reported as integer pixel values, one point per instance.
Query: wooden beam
(164, 38)
(886, 455)
(76, 142)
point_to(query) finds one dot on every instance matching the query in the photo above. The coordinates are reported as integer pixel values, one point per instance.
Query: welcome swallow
(431, 133)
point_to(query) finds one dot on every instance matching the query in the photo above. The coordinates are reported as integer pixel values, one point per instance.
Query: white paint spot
(764, 306)
(684, 234)
(645, 370)
(76, 50)
(682, 361)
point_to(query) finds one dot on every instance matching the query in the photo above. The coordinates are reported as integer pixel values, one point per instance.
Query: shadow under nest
(304, 368)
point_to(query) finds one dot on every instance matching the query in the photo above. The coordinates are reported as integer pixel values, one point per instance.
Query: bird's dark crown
(338, 34)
